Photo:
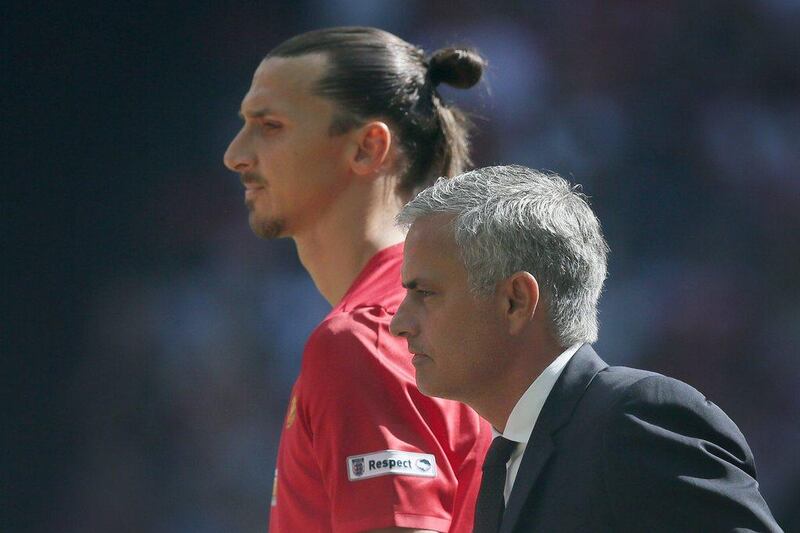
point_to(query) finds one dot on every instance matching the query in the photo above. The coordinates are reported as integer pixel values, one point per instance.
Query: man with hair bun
(342, 126)
(504, 267)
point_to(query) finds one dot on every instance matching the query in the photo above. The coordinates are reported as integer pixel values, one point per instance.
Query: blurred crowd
(681, 120)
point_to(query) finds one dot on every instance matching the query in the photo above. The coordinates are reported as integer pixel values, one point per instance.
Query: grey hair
(510, 219)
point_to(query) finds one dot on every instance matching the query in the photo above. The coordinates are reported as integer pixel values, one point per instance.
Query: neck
(342, 241)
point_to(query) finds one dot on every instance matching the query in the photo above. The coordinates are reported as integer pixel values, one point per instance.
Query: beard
(271, 228)
(264, 227)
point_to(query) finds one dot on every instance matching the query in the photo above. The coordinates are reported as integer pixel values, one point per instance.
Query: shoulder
(649, 407)
(622, 398)
(632, 388)
(353, 344)
(342, 332)
(674, 459)
(622, 386)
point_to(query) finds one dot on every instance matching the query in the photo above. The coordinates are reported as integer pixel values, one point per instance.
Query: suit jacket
(619, 449)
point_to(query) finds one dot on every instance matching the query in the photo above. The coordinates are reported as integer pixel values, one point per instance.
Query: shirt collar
(524, 415)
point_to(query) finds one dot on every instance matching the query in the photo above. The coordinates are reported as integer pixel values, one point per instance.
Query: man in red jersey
(341, 127)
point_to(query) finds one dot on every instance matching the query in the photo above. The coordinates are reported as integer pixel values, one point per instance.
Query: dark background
(149, 340)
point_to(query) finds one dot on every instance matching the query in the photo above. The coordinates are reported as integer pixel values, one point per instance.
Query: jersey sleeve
(382, 464)
(676, 462)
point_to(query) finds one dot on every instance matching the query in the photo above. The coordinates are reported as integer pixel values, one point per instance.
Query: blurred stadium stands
(154, 340)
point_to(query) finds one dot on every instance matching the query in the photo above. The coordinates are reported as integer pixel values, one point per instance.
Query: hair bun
(459, 67)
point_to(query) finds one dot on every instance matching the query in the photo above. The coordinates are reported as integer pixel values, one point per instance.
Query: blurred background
(149, 340)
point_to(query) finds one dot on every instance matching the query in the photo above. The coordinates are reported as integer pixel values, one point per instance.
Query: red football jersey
(361, 447)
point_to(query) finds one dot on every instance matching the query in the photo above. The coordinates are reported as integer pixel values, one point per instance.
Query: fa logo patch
(358, 466)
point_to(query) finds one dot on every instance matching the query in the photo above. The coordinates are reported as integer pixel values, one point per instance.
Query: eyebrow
(410, 285)
(257, 113)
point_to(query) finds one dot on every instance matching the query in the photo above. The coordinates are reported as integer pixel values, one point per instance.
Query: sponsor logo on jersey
(390, 462)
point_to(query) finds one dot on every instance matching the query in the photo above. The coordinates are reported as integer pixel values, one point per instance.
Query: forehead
(431, 230)
(285, 81)
(431, 249)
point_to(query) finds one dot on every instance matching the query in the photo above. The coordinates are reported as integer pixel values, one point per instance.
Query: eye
(270, 125)
(424, 293)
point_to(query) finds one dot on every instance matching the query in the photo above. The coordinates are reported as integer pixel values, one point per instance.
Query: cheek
(472, 327)
(452, 326)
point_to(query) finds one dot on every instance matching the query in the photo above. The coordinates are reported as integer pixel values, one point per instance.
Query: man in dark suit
(503, 268)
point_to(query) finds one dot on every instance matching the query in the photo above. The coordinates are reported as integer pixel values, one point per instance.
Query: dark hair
(374, 74)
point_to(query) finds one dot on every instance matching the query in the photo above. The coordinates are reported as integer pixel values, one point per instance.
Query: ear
(373, 141)
(520, 293)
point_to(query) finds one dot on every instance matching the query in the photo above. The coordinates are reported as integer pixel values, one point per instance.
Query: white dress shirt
(524, 415)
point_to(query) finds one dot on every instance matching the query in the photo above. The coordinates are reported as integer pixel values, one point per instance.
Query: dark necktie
(491, 504)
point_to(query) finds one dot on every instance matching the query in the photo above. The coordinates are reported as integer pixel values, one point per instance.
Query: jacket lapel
(557, 409)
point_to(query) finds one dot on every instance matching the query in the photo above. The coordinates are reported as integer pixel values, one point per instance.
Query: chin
(430, 389)
(423, 385)
(266, 229)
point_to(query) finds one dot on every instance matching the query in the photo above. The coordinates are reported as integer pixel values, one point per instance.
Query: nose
(239, 157)
(402, 325)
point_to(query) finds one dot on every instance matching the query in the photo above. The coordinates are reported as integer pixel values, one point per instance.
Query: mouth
(253, 191)
(419, 358)
(250, 195)
(253, 185)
